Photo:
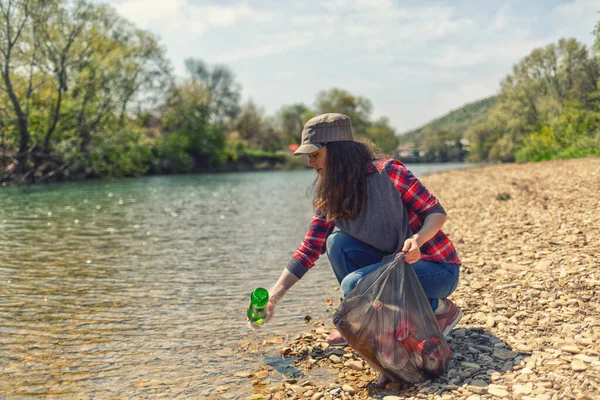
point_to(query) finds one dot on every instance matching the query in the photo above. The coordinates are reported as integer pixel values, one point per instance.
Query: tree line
(548, 107)
(84, 93)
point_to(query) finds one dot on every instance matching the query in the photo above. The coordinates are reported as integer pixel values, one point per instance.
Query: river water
(138, 287)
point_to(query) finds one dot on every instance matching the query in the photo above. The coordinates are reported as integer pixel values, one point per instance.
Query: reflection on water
(139, 287)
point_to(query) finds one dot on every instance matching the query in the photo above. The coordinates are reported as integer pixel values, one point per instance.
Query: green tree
(61, 50)
(188, 115)
(20, 23)
(534, 96)
(223, 92)
(383, 135)
(257, 130)
(291, 120)
(341, 101)
(144, 74)
(575, 133)
(71, 71)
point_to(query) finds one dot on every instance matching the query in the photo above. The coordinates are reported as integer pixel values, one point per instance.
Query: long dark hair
(342, 190)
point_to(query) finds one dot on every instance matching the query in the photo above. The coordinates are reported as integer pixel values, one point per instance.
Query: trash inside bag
(388, 320)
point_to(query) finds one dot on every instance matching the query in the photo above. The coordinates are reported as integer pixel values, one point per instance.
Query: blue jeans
(352, 259)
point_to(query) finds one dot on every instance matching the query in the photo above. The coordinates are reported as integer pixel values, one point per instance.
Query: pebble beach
(529, 239)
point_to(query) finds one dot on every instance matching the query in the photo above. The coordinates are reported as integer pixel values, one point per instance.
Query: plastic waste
(387, 319)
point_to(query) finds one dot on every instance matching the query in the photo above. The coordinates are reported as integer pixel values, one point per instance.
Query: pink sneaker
(448, 318)
(336, 339)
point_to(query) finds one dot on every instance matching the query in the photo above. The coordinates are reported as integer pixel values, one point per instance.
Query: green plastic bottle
(257, 310)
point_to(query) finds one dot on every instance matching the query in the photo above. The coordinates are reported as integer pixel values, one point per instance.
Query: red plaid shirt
(417, 200)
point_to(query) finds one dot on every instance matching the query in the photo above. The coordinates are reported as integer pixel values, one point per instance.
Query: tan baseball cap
(322, 129)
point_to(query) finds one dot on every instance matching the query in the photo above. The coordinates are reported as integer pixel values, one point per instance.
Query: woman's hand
(276, 293)
(269, 314)
(411, 250)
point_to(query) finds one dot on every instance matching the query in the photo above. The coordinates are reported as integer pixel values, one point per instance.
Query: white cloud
(458, 57)
(577, 19)
(367, 5)
(504, 41)
(509, 48)
(284, 75)
(437, 28)
(380, 26)
(501, 19)
(373, 24)
(413, 62)
(185, 18)
(267, 45)
(577, 8)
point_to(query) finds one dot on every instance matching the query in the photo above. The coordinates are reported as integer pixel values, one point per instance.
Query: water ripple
(118, 289)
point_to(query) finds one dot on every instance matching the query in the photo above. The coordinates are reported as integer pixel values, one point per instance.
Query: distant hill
(456, 122)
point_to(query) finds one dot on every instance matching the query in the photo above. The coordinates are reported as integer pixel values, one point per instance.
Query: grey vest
(383, 220)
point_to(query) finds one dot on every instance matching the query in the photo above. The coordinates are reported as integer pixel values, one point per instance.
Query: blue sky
(415, 60)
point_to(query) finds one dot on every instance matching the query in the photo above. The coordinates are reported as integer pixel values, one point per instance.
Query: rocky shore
(529, 239)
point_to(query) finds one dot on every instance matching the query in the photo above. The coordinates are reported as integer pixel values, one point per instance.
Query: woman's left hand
(411, 250)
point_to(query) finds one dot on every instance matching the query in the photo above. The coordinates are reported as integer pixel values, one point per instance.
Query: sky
(415, 60)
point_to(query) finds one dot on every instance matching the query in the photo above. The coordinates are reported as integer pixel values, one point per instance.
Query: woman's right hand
(269, 314)
(276, 293)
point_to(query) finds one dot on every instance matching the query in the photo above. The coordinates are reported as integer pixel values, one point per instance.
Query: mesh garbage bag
(388, 321)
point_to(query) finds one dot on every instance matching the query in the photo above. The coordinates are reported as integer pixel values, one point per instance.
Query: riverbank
(529, 237)
(250, 162)
(55, 170)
